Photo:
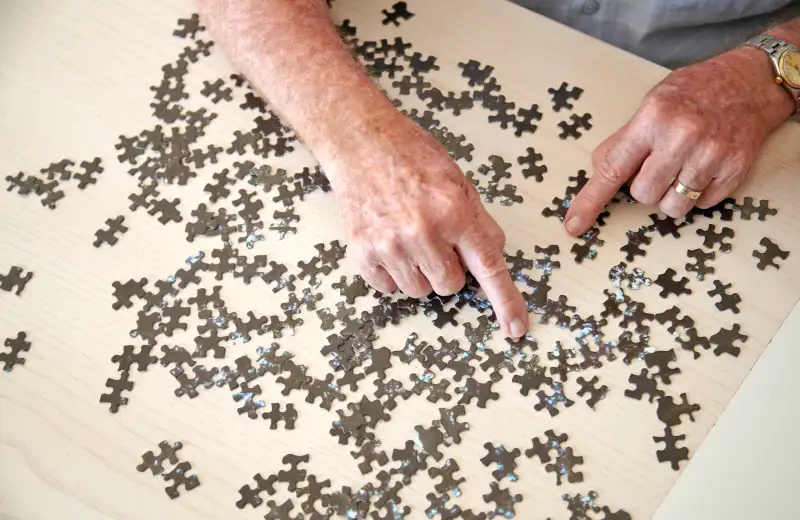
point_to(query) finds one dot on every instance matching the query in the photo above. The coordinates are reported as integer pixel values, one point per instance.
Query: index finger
(615, 160)
(486, 263)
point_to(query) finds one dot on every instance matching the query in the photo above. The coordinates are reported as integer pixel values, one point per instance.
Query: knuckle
(448, 205)
(643, 192)
(500, 241)
(644, 197)
(449, 210)
(675, 213)
(416, 291)
(381, 284)
(504, 300)
(495, 237)
(360, 251)
(403, 168)
(415, 231)
(688, 127)
(453, 287)
(436, 266)
(741, 175)
(692, 178)
(499, 236)
(410, 280)
(492, 265)
(599, 155)
(654, 107)
(373, 273)
(471, 195)
(673, 210)
(731, 183)
(387, 247)
(715, 150)
(741, 161)
(608, 170)
(452, 281)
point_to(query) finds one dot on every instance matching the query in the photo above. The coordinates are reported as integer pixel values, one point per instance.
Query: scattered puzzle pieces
(155, 463)
(671, 452)
(712, 239)
(669, 412)
(251, 496)
(503, 501)
(573, 129)
(398, 13)
(358, 362)
(563, 94)
(727, 301)
(448, 483)
(16, 346)
(762, 211)
(503, 458)
(725, 339)
(109, 236)
(180, 477)
(117, 386)
(643, 384)
(532, 166)
(769, 255)
(14, 280)
(671, 286)
(701, 266)
(596, 394)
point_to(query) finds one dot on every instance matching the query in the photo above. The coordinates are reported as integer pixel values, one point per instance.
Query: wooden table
(76, 76)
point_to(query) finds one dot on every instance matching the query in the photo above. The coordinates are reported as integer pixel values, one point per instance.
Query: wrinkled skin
(415, 222)
(702, 126)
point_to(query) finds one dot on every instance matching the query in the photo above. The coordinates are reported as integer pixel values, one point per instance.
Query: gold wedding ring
(686, 192)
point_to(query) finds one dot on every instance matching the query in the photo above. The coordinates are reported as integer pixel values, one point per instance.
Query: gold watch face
(790, 68)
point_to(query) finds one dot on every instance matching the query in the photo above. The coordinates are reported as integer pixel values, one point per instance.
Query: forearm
(290, 52)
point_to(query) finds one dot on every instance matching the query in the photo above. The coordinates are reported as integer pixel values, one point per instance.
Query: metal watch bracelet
(774, 47)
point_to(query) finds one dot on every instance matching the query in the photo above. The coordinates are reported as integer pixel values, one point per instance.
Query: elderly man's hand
(702, 126)
(415, 222)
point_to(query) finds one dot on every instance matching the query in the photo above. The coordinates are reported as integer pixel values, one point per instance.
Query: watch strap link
(771, 45)
(774, 47)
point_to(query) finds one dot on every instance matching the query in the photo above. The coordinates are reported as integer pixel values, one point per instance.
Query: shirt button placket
(591, 6)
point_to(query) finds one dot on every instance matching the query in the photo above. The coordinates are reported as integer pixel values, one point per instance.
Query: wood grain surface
(77, 74)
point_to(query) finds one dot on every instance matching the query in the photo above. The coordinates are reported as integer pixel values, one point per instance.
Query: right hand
(414, 221)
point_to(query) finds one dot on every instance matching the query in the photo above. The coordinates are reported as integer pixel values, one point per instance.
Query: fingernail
(517, 328)
(574, 225)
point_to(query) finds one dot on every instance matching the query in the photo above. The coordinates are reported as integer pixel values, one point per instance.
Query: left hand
(702, 126)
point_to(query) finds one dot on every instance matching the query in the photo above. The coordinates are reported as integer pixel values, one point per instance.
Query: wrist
(755, 68)
(375, 139)
(788, 32)
(350, 123)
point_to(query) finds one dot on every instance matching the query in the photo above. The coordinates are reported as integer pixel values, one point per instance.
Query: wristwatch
(786, 60)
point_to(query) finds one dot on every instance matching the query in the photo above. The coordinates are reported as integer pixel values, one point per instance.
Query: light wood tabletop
(77, 82)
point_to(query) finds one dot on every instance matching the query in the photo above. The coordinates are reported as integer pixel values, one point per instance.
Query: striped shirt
(670, 32)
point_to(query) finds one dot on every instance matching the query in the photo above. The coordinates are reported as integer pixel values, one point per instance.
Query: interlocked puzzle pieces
(178, 475)
(61, 171)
